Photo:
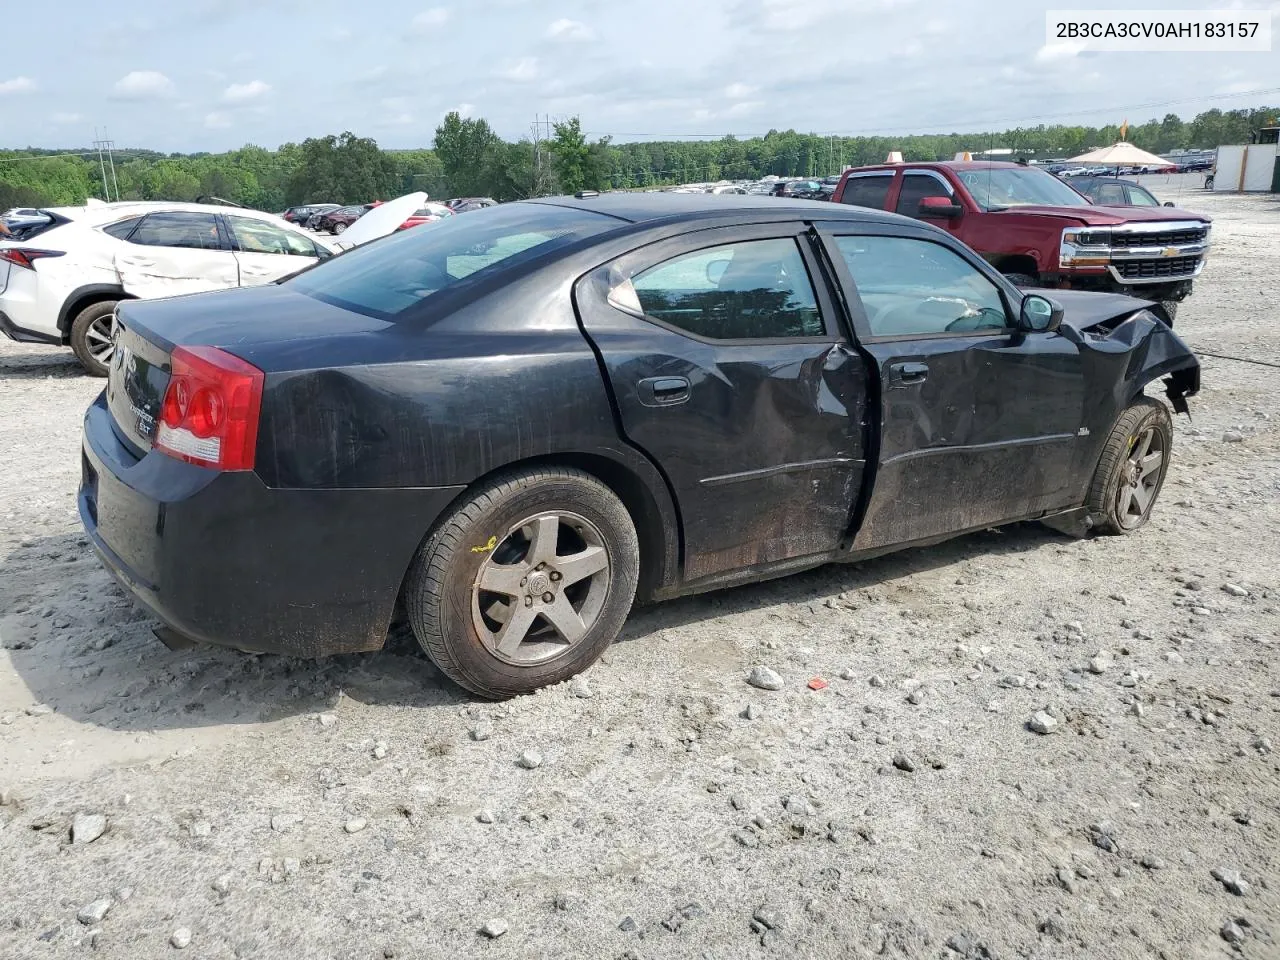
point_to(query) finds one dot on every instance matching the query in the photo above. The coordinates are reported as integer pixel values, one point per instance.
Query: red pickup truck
(1038, 231)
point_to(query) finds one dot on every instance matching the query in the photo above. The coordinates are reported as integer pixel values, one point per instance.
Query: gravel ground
(255, 806)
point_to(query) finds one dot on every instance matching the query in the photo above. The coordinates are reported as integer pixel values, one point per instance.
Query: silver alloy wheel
(1140, 478)
(339, 228)
(100, 338)
(541, 587)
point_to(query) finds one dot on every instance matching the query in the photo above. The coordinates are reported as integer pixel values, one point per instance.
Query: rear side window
(915, 187)
(388, 277)
(1109, 194)
(868, 191)
(122, 229)
(196, 230)
(755, 290)
(1139, 197)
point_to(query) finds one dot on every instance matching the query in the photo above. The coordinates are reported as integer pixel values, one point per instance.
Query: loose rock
(916, 697)
(494, 928)
(530, 759)
(181, 938)
(482, 731)
(764, 678)
(222, 883)
(1234, 590)
(1042, 723)
(201, 829)
(87, 827)
(904, 763)
(798, 806)
(1231, 881)
(95, 912)
(581, 689)
(379, 751)
(1232, 932)
(485, 816)
(355, 825)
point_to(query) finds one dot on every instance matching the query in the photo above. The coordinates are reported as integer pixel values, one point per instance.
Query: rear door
(869, 189)
(266, 251)
(175, 253)
(722, 351)
(979, 422)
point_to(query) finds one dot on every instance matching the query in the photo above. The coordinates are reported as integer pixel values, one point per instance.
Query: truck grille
(1168, 238)
(1165, 268)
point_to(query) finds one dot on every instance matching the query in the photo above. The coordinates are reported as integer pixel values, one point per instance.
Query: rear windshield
(386, 278)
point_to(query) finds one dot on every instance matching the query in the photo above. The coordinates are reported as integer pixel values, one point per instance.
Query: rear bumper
(22, 335)
(223, 559)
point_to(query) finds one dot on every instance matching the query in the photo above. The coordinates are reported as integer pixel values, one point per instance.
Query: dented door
(760, 435)
(170, 254)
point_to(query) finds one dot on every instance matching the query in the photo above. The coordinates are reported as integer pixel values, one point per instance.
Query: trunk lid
(148, 330)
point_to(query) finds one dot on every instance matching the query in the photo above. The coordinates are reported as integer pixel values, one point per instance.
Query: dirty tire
(1022, 279)
(338, 228)
(80, 336)
(1104, 502)
(439, 588)
(1170, 308)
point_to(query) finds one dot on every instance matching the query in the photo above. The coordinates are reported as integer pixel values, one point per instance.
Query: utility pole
(105, 148)
(541, 160)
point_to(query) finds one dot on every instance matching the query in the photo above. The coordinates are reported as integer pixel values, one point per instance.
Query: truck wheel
(91, 337)
(1171, 309)
(526, 583)
(1131, 469)
(1022, 279)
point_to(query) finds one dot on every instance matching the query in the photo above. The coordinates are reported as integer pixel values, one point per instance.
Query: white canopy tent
(1122, 154)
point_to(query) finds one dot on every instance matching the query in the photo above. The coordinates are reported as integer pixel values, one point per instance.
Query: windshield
(386, 278)
(999, 189)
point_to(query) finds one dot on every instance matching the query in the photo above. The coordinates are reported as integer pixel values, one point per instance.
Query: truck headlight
(1085, 247)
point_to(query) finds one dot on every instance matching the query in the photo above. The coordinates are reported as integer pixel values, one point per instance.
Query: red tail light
(27, 257)
(210, 412)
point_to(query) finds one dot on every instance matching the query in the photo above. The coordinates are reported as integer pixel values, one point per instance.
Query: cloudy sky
(215, 74)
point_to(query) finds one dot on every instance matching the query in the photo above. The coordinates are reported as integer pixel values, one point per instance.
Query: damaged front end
(1126, 344)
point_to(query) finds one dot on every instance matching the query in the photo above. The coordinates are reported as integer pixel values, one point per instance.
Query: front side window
(1109, 194)
(194, 230)
(915, 187)
(387, 278)
(867, 191)
(754, 290)
(916, 287)
(259, 236)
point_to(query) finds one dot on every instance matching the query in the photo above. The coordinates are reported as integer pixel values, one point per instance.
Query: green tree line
(468, 158)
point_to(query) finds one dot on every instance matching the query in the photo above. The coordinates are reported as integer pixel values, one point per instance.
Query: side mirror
(715, 270)
(939, 208)
(1039, 314)
(1168, 203)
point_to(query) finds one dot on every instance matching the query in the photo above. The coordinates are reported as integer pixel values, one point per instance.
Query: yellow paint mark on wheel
(486, 547)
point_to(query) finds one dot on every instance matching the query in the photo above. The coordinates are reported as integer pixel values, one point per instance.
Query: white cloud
(18, 85)
(936, 27)
(143, 85)
(521, 71)
(244, 92)
(62, 119)
(744, 108)
(428, 20)
(569, 31)
(216, 121)
(736, 91)
(1051, 52)
(463, 110)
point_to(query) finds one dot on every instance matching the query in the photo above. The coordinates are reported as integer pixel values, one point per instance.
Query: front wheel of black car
(1132, 468)
(526, 583)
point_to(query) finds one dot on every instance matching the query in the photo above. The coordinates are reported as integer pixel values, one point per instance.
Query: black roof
(641, 207)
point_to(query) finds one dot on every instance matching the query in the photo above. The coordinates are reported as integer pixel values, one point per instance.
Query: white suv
(60, 280)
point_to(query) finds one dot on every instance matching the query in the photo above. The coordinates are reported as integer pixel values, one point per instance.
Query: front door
(978, 422)
(725, 362)
(266, 251)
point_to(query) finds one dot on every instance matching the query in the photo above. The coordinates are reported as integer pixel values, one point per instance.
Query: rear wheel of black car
(1132, 468)
(91, 337)
(526, 583)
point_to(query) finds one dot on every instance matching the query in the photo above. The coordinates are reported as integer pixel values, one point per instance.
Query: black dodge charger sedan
(512, 425)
